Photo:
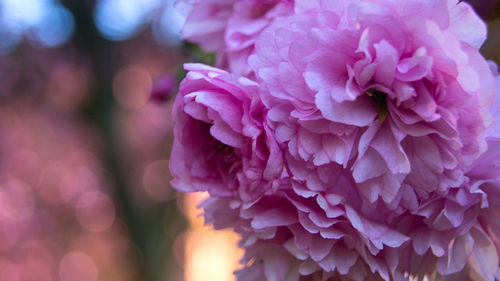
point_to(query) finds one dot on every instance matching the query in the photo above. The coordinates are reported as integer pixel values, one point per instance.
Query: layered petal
(221, 144)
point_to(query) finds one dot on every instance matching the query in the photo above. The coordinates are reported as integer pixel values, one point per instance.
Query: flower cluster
(350, 139)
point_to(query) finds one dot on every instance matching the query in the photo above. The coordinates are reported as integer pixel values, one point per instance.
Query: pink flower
(460, 229)
(397, 93)
(380, 109)
(163, 90)
(298, 234)
(206, 22)
(221, 144)
(288, 236)
(230, 27)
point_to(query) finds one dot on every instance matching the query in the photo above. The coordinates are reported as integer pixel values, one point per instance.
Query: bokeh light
(44, 22)
(69, 84)
(208, 254)
(64, 213)
(77, 266)
(16, 212)
(167, 30)
(54, 28)
(132, 87)
(155, 180)
(95, 211)
(120, 19)
(52, 190)
(9, 271)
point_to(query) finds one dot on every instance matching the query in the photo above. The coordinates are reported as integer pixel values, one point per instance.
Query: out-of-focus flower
(221, 145)
(163, 89)
(231, 27)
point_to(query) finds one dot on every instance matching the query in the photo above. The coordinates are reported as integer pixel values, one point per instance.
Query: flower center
(225, 152)
(380, 98)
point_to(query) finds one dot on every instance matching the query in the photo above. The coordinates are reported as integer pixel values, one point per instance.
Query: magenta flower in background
(365, 150)
(221, 144)
(163, 89)
(230, 27)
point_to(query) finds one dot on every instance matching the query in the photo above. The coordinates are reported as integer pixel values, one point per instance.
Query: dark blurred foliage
(84, 192)
(490, 11)
(487, 9)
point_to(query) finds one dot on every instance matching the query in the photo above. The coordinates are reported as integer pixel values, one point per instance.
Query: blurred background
(86, 91)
